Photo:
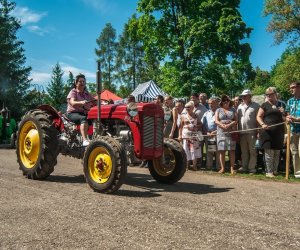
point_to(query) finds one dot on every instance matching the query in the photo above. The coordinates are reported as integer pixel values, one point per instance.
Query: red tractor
(120, 131)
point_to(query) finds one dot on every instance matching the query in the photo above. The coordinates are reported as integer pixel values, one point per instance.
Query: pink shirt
(78, 96)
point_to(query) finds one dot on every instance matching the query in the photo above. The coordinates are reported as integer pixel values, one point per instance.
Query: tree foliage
(131, 66)
(260, 83)
(56, 94)
(190, 36)
(285, 20)
(70, 83)
(106, 53)
(14, 75)
(286, 71)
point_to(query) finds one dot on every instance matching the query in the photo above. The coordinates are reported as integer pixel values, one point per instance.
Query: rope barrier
(236, 131)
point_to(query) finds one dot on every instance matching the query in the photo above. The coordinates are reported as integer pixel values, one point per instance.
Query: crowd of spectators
(236, 126)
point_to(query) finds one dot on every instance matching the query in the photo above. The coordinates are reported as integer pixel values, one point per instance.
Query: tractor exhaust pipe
(99, 90)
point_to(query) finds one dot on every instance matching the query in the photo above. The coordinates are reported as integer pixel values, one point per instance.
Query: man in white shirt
(247, 112)
(199, 111)
(210, 129)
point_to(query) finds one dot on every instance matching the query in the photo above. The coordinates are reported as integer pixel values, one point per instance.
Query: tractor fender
(56, 115)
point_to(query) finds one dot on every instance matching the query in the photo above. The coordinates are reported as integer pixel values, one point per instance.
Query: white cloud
(40, 77)
(70, 58)
(68, 68)
(37, 30)
(43, 76)
(102, 5)
(28, 16)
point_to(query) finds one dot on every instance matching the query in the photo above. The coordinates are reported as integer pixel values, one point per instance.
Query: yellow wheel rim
(29, 144)
(165, 165)
(100, 165)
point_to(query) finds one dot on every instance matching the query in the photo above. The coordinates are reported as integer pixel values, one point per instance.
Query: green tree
(70, 84)
(14, 76)
(189, 36)
(286, 71)
(106, 53)
(124, 91)
(92, 87)
(131, 64)
(260, 83)
(56, 94)
(285, 20)
(34, 98)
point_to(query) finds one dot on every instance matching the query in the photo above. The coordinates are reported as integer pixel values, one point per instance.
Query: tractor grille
(152, 132)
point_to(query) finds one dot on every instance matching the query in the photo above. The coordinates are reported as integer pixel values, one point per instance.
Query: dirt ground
(202, 211)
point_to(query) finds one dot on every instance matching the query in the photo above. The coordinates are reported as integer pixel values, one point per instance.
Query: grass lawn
(260, 175)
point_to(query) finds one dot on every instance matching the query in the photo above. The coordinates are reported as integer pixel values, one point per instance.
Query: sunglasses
(269, 95)
(293, 87)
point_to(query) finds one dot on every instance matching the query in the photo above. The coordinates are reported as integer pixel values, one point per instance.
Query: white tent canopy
(146, 92)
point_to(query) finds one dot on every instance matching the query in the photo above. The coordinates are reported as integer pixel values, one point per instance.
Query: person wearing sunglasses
(226, 121)
(271, 138)
(293, 116)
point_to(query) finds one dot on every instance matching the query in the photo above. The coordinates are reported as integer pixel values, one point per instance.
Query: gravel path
(202, 211)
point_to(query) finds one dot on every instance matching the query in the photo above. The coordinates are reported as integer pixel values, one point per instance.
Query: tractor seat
(64, 116)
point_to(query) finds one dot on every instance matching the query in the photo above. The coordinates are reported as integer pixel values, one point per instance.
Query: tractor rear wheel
(171, 167)
(105, 164)
(37, 145)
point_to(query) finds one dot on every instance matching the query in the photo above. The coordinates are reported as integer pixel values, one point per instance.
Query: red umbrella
(106, 95)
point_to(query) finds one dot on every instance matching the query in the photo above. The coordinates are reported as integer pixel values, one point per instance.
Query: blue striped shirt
(293, 108)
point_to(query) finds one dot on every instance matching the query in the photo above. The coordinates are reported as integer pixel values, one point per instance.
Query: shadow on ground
(145, 182)
(66, 178)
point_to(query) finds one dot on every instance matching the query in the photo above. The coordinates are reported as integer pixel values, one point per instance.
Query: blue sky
(65, 31)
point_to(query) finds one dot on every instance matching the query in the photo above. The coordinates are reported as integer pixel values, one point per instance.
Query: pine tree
(56, 94)
(70, 83)
(131, 64)
(14, 76)
(106, 53)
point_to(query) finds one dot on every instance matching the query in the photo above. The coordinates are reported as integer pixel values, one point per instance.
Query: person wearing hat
(247, 112)
(188, 131)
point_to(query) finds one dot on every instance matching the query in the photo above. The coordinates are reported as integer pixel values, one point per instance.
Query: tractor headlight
(132, 109)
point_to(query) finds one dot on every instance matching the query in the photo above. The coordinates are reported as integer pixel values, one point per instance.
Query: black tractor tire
(105, 164)
(170, 167)
(37, 145)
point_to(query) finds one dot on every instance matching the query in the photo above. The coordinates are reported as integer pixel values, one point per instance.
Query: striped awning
(146, 92)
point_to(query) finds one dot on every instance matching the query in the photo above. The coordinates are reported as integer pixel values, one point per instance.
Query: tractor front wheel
(104, 164)
(171, 167)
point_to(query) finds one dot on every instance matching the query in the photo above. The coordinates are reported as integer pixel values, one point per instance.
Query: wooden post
(288, 143)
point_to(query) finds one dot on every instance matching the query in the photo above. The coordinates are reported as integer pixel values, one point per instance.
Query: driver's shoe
(85, 143)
